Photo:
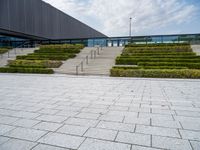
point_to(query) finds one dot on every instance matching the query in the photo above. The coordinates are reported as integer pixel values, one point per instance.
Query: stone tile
(135, 120)
(155, 116)
(25, 123)
(73, 130)
(157, 131)
(163, 111)
(27, 115)
(170, 143)
(116, 126)
(134, 147)
(48, 111)
(88, 116)
(82, 122)
(48, 126)
(103, 134)
(92, 144)
(62, 140)
(5, 128)
(3, 139)
(94, 110)
(113, 118)
(26, 134)
(14, 144)
(191, 125)
(7, 120)
(166, 123)
(190, 135)
(134, 138)
(52, 118)
(47, 147)
(67, 113)
(195, 145)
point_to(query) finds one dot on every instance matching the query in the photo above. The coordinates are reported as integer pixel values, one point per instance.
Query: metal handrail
(93, 54)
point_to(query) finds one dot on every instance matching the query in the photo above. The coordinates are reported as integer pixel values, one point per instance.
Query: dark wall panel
(39, 19)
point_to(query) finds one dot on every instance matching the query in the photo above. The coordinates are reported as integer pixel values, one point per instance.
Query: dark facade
(38, 20)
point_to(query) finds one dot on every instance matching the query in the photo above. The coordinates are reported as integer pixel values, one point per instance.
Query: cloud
(112, 16)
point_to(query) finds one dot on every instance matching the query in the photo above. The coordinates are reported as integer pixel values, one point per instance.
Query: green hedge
(153, 50)
(167, 56)
(157, 45)
(165, 73)
(134, 61)
(35, 57)
(161, 54)
(57, 51)
(26, 70)
(3, 50)
(149, 67)
(62, 46)
(188, 65)
(35, 63)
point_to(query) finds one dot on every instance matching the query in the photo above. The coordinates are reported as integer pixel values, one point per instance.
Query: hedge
(189, 65)
(26, 70)
(127, 50)
(157, 45)
(134, 61)
(160, 73)
(57, 51)
(35, 63)
(38, 57)
(62, 46)
(167, 56)
(3, 50)
(149, 67)
(160, 54)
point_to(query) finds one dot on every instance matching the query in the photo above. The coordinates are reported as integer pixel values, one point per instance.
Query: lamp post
(130, 31)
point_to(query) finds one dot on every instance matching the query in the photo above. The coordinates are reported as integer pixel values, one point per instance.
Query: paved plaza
(58, 112)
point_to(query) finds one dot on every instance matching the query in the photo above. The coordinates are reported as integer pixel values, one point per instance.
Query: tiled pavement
(57, 112)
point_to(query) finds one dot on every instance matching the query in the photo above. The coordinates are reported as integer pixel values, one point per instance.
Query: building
(37, 20)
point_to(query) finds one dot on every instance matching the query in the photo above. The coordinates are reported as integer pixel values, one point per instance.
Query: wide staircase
(91, 61)
(11, 54)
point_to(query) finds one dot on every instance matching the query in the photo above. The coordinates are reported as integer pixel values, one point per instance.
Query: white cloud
(112, 16)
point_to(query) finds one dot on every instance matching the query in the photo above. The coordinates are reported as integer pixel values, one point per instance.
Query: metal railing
(24, 45)
(92, 55)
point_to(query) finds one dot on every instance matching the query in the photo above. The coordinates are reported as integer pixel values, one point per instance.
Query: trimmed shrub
(26, 70)
(57, 51)
(165, 73)
(188, 65)
(3, 50)
(157, 45)
(149, 67)
(38, 57)
(62, 46)
(35, 63)
(160, 54)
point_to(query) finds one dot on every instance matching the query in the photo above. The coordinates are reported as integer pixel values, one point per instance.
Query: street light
(130, 27)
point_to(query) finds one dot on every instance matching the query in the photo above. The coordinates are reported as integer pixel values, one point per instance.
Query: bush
(157, 45)
(188, 65)
(156, 50)
(168, 73)
(62, 46)
(134, 61)
(160, 54)
(35, 63)
(44, 57)
(149, 67)
(3, 50)
(26, 70)
(57, 51)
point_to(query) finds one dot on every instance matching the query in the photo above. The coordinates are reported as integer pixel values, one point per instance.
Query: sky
(150, 17)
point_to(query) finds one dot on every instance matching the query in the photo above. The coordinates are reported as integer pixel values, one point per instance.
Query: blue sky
(150, 17)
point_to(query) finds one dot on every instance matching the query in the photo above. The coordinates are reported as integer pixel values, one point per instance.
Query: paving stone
(88, 116)
(62, 140)
(134, 147)
(103, 134)
(94, 110)
(14, 144)
(48, 126)
(82, 122)
(48, 111)
(191, 125)
(155, 116)
(7, 120)
(67, 113)
(157, 131)
(92, 144)
(116, 126)
(47, 147)
(166, 123)
(135, 120)
(191, 135)
(25, 123)
(195, 145)
(5, 128)
(134, 138)
(52, 118)
(3, 139)
(73, 130)
(113, 118)
(27, 115)
(26, 134)
(163, 111)
(170, 143)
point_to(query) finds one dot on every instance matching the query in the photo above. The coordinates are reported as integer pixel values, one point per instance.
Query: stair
(101, 65)
(13, 53)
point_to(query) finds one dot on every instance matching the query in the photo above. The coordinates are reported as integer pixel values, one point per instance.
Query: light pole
(130, 27)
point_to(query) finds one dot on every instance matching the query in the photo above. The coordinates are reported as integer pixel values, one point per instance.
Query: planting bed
(157, 60)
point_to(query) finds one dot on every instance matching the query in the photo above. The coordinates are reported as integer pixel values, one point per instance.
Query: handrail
(93, 54)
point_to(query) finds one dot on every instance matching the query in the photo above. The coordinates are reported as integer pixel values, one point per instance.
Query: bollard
(87, 60)
(91, 54)
(82, 66)
(76, 70)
